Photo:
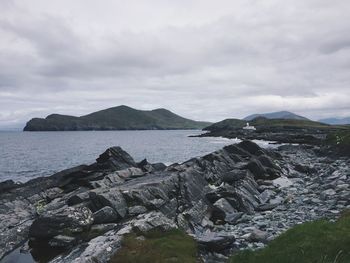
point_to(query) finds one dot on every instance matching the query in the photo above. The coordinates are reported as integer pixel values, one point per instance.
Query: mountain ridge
(116, 118)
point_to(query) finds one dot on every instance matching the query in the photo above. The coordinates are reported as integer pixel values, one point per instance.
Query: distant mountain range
(117, 118)
(336, 121)
(276, 115)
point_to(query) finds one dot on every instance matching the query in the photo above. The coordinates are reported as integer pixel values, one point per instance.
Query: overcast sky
(205, 60)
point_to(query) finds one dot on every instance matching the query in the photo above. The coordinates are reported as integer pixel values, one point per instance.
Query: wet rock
(99, 249)
(62, 241)
(137, 210)
(7, 185)
(105, 215)
(224, 206)
(115, 158)
(213, 241)
(70, 221)
(233, 218)
(304, 169)
(77, 199)
(130, 173)
(10, 238)
(153, 220)
(110, 197)
(258, 170)
(149, 167)
(233, 176)
(267, 162)
(251, 147)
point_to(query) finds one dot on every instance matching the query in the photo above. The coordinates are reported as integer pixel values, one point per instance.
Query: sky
(204, 60)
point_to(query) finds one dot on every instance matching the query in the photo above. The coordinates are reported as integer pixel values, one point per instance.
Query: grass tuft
(157, 247)
(312, 242)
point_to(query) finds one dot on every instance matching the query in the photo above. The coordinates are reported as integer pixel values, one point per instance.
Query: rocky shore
(292, 136)
(239, 197)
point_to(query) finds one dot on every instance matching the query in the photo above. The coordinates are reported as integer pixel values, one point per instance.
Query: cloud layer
(206, 60)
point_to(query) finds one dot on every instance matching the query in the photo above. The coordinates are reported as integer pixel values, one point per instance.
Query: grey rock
(224, 206)
(62, 241)
(108, 197)
(152, 220)
(217, 188)
(213, 241)
(137, 210)
(105, 215)
(266, 195)
(258, 236)
(266, 207)
(327, 193)
(232, 218)
(70, 220)
(115, 158)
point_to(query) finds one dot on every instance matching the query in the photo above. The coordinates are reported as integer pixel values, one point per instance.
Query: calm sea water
(25, 155)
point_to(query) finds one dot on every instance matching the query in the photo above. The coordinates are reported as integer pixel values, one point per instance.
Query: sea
(26, 155)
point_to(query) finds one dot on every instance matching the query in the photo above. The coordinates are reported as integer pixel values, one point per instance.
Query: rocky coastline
(292, 136)
(239, 197)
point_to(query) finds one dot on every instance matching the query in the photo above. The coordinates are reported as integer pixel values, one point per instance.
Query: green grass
(339, 138)
(171, 246)
(340, 141)
(313, 242)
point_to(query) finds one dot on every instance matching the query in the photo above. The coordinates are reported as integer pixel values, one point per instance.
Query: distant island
(336, 121)
(116, 118)
(276, 115)
(281, 127)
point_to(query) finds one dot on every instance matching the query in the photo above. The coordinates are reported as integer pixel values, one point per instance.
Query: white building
(248, 127)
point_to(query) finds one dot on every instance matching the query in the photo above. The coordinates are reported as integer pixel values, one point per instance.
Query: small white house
(248, 127)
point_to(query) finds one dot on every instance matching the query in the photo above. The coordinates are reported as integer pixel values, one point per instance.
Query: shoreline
(221, 223)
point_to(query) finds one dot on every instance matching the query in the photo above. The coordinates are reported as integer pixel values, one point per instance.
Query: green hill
(117, 118)
(276, 115)
(262, 123)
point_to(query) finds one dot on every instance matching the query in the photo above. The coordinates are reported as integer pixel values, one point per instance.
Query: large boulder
(257, 236)
(115, 158)
(215, 242)
(68, 221)
(112, 197)
(149, 167)
(224, 206)
(7, 185)
(153, 220)
(251, 147)
(260, 171)
(233, 176)
(105, 215)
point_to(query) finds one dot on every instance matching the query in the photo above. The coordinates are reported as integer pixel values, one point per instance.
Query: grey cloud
(252, 56)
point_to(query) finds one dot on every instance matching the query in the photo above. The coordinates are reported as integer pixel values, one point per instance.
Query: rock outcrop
(224, 200)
